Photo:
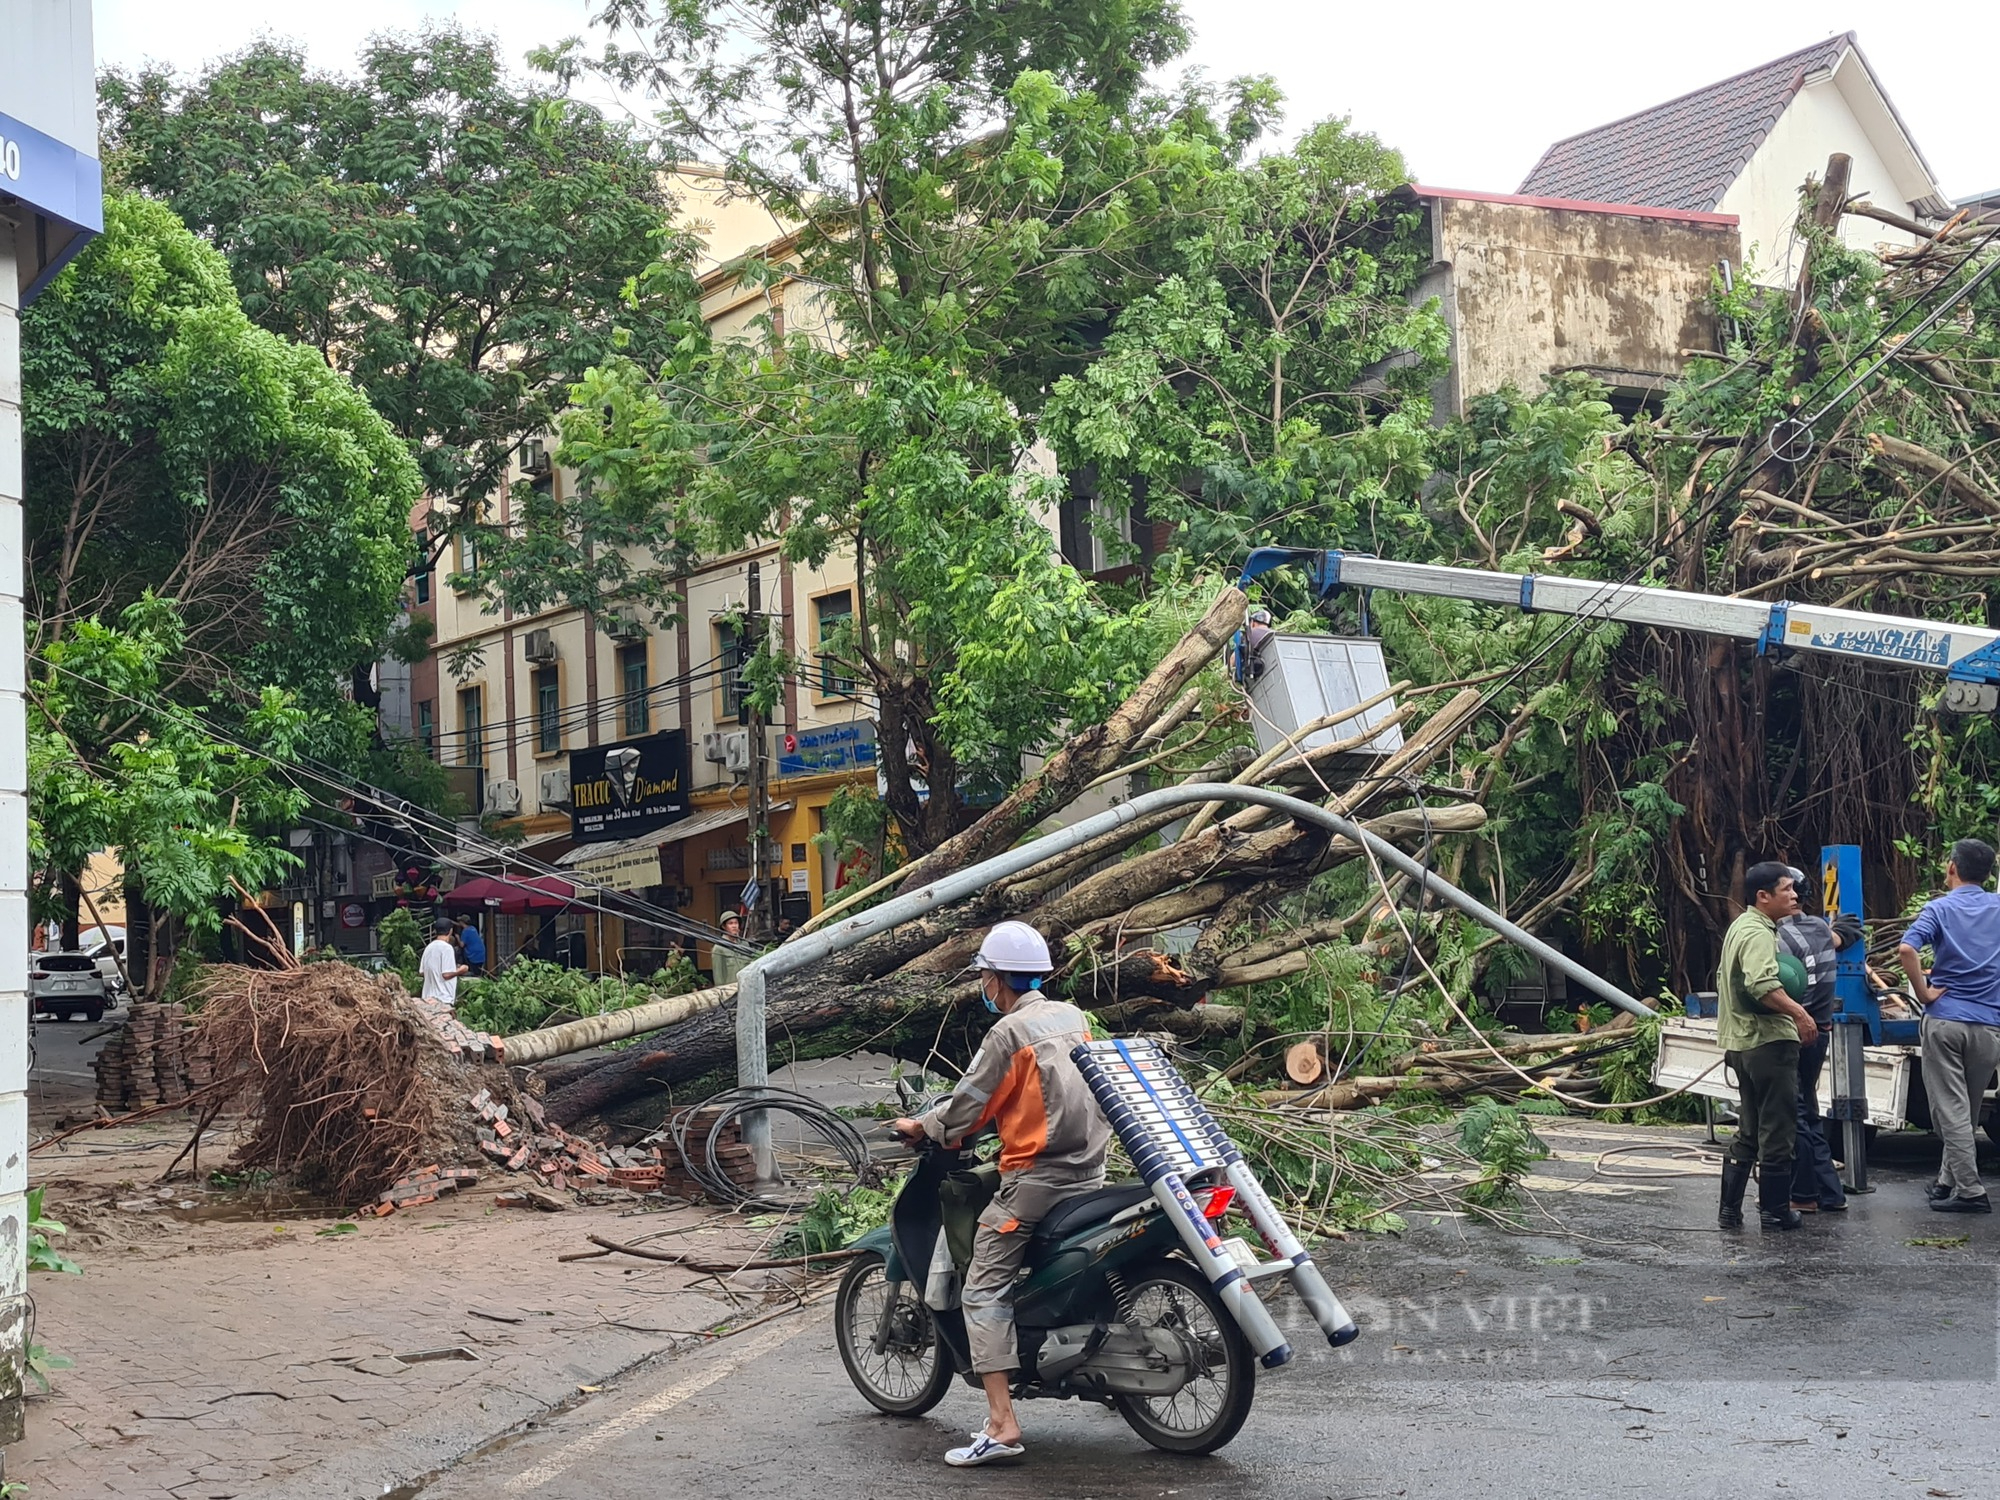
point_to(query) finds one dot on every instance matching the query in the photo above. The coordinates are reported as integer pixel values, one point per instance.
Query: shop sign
(832, 747)
(44, 173)
(353, 914)
(624, 870)
(621, 791)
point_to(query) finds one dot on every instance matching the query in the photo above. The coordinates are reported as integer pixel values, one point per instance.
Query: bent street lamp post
(752, 1056)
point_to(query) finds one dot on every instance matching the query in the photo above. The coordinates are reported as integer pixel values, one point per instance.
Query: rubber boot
(1735, 1182)
(1774, 1199)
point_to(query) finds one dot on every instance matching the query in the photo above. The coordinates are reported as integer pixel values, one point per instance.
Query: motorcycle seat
(1084, 1207)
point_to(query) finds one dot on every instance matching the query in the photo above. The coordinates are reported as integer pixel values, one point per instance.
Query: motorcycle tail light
(1218, 1202)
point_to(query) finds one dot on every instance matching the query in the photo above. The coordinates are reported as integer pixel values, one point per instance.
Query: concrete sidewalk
(236, 1348)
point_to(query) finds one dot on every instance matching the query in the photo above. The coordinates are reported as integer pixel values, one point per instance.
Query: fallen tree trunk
(1222, 886)
(612, 1026)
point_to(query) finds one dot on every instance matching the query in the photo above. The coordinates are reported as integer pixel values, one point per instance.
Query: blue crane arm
(1968, 655)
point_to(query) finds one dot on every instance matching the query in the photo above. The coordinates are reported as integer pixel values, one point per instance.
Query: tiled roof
(1684, 153)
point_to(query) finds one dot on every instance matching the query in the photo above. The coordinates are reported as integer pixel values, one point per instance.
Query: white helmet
(1014, 948)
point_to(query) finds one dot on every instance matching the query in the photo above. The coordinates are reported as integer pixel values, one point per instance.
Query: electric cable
(729, 1106)
(415, 817)
(1582, 619)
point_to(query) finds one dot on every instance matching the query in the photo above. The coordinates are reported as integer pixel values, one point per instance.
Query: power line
(1583, 619)
(415, 817)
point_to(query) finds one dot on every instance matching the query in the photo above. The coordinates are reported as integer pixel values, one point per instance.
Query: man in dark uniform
(1816, 1186)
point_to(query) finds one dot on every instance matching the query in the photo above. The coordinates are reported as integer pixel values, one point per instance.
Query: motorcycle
(1110, 1308)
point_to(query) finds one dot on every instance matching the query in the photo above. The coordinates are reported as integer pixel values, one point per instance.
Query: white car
(107, 957)
(67, 984)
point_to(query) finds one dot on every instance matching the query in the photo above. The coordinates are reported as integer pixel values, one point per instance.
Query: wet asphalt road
(1629, 1350)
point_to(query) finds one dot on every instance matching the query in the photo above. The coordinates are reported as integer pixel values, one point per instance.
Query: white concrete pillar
(13, 869)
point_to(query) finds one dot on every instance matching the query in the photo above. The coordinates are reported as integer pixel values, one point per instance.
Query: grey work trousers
(1959, 1059)
(998, 1248)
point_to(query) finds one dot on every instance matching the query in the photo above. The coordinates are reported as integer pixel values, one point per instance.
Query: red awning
(511, 897)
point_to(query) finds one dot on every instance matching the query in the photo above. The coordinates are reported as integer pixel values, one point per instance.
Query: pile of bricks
(559, 1159)
(459, 1039)
(425, 1185)
(693, 1125)
(150, 1060)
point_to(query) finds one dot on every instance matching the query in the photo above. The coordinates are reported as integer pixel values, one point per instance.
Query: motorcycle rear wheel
(910, 1376)
(1211, 1409)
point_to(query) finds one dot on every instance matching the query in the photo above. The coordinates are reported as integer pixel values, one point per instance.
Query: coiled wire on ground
(731, 1105)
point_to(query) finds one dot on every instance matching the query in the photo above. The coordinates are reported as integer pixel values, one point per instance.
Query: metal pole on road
(752, 1056)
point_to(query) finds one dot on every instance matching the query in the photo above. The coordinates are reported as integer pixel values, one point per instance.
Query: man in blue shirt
(1961, 1030)
(473, 946)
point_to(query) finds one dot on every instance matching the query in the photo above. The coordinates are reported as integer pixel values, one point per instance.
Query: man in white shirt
(441, 966)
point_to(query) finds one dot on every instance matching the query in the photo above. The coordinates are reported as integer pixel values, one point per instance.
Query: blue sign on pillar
(1840, 895)
(65, 188)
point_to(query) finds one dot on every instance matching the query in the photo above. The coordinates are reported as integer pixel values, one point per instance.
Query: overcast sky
(1471, 93)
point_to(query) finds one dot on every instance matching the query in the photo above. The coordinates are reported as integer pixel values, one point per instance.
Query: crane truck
(1873, 1079)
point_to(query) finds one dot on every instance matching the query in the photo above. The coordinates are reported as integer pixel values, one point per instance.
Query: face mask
(990, 1005)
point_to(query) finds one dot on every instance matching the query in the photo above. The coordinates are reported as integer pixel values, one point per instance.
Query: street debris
(149, 1060)
(350, 1085)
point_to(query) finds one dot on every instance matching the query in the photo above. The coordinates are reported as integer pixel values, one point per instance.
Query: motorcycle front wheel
(912, 1372)
(1210, 1409)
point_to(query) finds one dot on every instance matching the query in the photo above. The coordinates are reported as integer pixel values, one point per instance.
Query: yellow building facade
(514, 696)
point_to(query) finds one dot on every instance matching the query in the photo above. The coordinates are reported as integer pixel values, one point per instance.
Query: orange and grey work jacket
(1023, 1082)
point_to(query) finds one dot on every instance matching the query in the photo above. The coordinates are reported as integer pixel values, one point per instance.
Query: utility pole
(756, 641)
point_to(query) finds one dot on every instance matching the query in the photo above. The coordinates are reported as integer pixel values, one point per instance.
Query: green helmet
(1792, 975)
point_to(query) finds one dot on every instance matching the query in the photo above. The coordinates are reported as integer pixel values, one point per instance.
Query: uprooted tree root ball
(345, 1086)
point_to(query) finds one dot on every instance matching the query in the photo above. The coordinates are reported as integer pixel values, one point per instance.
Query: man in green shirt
(1760, 1029)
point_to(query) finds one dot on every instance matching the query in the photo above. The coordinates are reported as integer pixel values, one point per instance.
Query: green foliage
(835, 1218)
(529, 994)
(972, 191)
(112, 764)
(1627, 1075)
(42, 1363)
(462, 245)
(856, 834)
(1229, 390)
(42, 1255)
(403, 945)
(1499, 1137)
(255, 1177)
(174, 447)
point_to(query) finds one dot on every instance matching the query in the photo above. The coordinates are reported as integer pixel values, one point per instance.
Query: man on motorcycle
(1052, 1140)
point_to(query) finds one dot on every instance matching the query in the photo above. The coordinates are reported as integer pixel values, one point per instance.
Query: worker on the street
(440, 966)
(727, 963)
(1815, 942)
(472, 946)
(1052, 1140)
(1248, 648)
(1760, 1029)
(1961, 1031)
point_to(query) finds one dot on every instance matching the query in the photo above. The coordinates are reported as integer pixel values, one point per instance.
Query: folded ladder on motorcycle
(1171, 1137)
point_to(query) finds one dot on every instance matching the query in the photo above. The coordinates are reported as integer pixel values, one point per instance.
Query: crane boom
(1968, 655)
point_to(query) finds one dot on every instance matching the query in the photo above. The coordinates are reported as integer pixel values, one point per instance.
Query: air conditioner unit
(541, 645)
(714, 746)
(625, 625)
(503, 797)
(736, 750)
(555, 787)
